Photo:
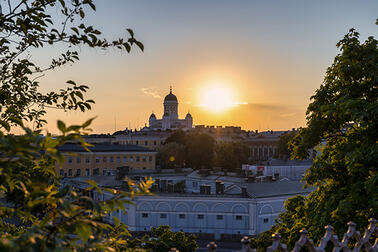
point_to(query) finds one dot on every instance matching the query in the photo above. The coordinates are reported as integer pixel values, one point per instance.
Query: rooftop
(103, 147)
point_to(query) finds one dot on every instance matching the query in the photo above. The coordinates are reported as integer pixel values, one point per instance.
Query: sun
(217, 98)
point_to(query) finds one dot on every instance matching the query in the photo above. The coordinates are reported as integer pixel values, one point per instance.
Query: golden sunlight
(217, 99)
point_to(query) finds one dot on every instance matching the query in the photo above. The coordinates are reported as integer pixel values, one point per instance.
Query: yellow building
(105, 159)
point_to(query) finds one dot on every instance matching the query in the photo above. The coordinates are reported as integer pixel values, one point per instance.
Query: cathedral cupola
(170, 97)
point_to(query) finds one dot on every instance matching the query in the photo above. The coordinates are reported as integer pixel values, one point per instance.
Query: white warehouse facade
(211, 206)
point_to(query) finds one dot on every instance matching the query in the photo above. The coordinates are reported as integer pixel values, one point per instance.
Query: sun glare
(217, 99)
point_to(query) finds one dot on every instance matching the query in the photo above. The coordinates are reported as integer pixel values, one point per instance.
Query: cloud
(263, 106)
(151, 92)
(287, 115)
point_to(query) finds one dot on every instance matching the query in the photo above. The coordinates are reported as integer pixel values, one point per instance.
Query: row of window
(96, 171)
(199, 216)
(111, 159)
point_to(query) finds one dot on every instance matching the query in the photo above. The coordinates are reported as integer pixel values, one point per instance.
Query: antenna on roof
(115, 124)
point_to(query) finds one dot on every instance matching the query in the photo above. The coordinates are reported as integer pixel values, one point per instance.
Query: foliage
(283, 148)
(178, 136)
(37, 213)
(261, 242)
(193, 150)
(231, 155)
(171, 155)
(27, 26)
(342, 123)
(200, 151)
(163, 239)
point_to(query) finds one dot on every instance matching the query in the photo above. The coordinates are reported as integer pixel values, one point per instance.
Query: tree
(200, 151)
(163, 239)
(36, 212)
(171, 155)
(178, 136)
(283, 148)
(231, 155)
(342, 121)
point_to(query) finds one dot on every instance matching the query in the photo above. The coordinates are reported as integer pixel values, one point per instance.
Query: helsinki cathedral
(170, 118)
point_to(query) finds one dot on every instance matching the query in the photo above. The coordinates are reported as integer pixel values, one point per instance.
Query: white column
(252, 218)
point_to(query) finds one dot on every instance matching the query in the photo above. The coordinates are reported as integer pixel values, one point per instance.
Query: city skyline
(270, 57)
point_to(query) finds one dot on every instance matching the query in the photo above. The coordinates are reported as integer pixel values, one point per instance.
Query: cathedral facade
(170, 118)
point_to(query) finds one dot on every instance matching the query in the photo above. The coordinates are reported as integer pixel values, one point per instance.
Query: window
(137, 158)
(131, 159)
(219, 217)
(144, 215)
(104, 171)
(104, 159)
(195, 184)
(118, 160)
(200, 216)
(78, 172)
(111, 160)
(150, 158)
(70, 172)
(154, 142)
(136, 142)
(144, 158)
(124, 159)
(145, 142)
(87, 160)
(61, 172)
(86, 172)
(239, 217)
(97, 160)
(181, 216)
(96, 171)
(266, 220)
(70, 160)
(78, 160)
(144, 168)
(163, 216)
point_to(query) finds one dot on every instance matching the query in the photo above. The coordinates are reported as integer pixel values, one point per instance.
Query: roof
(104, 147)
(278, 188)
(170, 97)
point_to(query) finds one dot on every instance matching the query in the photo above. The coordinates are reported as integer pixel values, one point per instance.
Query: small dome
(170, 97)
(188, 115)
(152, 116)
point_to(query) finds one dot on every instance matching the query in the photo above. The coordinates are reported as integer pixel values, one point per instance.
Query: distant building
(170, 118)
(104, 159)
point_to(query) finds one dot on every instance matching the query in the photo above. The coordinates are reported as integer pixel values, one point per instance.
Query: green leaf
(84, 231)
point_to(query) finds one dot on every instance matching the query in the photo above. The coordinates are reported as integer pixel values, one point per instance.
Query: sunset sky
(263, 59)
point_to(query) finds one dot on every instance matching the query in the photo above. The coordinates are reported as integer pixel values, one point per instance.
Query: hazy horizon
(270, 56)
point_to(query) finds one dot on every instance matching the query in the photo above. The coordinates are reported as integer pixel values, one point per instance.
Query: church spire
(170, 89)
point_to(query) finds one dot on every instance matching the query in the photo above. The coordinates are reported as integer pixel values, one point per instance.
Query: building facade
(104, 159)
(230, 207)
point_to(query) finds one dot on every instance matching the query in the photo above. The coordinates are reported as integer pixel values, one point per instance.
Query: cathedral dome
(170, 97)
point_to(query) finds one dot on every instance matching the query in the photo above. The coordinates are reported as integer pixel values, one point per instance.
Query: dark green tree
(178, 136)
(163, 239)
(171, 155)
(283, 148)
(200, 151)
(36, 212)
(230, 156)
(342, 124)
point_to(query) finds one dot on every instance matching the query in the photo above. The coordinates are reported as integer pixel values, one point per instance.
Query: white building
(230, 207)
(170, 118)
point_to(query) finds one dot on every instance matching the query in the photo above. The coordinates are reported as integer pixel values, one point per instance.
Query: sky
(265, 59)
